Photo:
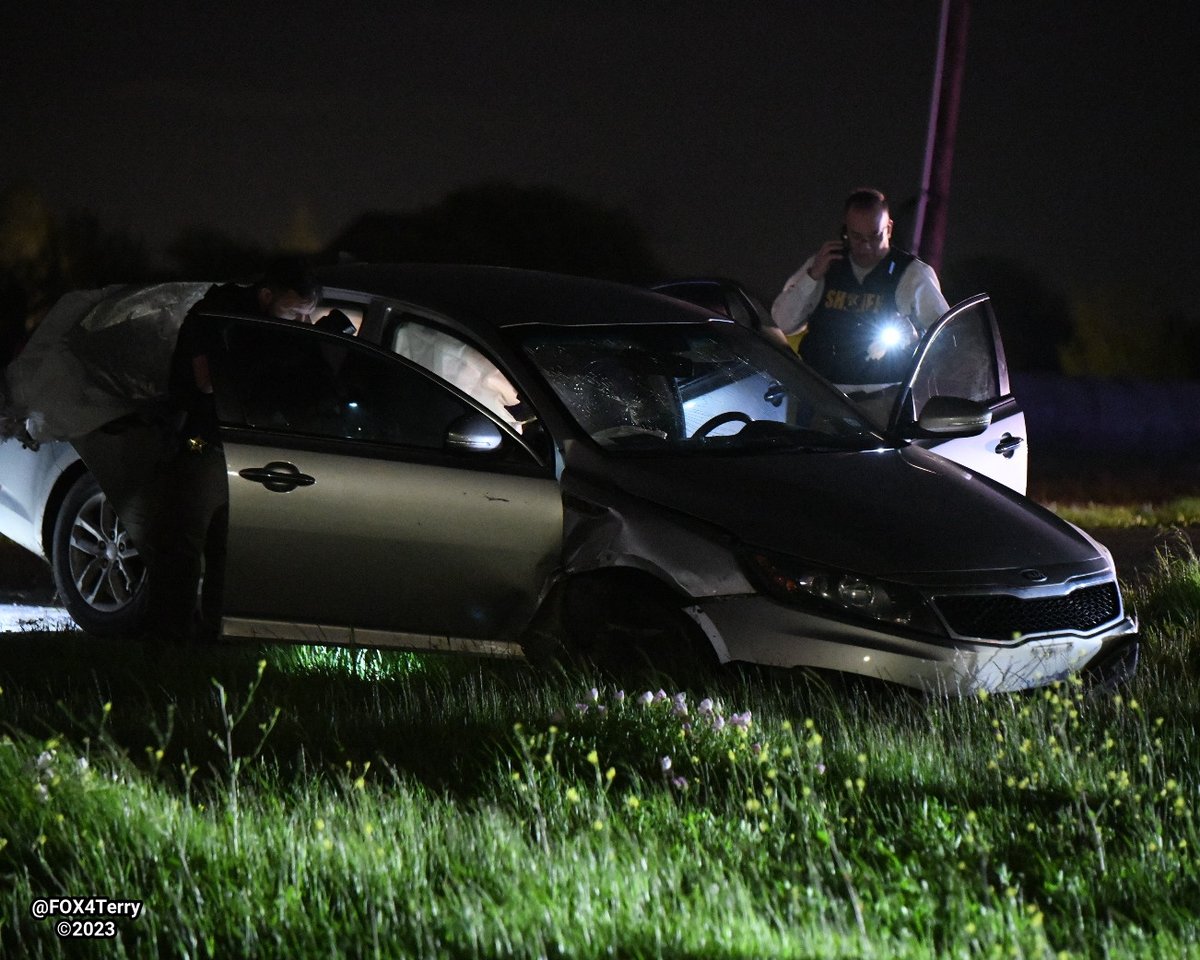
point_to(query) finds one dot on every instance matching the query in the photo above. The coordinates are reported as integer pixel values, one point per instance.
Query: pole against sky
(730, 132)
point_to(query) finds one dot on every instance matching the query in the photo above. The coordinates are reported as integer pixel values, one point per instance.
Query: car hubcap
(105, 566)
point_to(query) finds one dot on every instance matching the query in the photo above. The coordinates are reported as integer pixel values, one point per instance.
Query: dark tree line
(1110, 332)
(43, 255)
(498, 223)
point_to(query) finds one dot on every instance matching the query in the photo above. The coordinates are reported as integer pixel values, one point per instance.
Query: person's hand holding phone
(831, 250)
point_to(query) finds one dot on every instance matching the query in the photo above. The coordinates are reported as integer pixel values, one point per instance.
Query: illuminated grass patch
(329, 803)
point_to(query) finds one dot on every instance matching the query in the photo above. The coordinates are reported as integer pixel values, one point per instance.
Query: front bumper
(756, 629)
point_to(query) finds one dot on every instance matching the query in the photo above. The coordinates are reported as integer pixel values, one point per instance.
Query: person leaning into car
(859, 304)
(195, 494)
(164, 471)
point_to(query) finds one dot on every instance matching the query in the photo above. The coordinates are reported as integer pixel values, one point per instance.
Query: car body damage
(757, 630)
(645, 519)
(605, 527)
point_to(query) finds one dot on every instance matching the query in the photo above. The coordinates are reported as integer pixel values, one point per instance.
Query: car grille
(1001, 616)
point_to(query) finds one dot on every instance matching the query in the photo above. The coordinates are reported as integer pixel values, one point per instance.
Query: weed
(351, 803)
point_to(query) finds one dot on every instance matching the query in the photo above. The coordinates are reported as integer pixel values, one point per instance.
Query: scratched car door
(961, 355)
(349, 514)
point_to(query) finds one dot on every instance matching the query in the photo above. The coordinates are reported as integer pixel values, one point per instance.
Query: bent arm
(797, 300)
(919, 295)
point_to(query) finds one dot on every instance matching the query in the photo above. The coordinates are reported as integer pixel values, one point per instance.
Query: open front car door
(957, 400)
(370, 501)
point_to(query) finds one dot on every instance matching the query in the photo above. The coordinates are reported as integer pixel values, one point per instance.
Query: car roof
(506, 296)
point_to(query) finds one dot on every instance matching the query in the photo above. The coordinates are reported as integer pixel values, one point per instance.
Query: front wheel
(627, 626)
(99, 576)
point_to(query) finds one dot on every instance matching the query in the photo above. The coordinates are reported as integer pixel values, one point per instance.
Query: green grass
(294, 802)
(1184, 511)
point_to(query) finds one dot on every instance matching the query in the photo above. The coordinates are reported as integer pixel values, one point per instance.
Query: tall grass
(298, 802)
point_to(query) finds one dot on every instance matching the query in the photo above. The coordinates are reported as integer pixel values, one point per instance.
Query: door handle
(278, 476)
(1008, 445)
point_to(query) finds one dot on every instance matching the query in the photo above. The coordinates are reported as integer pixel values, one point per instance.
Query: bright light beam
(889, 337)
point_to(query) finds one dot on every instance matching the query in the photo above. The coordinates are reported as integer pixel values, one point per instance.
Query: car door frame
(1001, 451)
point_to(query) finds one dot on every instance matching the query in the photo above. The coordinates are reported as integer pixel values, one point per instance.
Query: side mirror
(952, 417)
(473, 433)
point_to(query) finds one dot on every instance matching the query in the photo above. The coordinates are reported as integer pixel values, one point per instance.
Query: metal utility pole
(929, 228)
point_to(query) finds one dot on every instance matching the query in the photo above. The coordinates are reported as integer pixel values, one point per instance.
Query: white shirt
(918, 296)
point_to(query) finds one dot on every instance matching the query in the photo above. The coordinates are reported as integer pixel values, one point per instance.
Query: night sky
(731, 132)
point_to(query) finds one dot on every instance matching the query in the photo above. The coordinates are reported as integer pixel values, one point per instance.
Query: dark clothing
(14, 308)
(170, 494)
(336, 322)
(186, 502)
(198, 408)
(849, 319)
(198, 412)
(230, 298)
(172, 502)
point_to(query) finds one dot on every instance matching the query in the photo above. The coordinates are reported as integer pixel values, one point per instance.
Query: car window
(294, 380)
(690, 388)
(960, 362)
(460, 364)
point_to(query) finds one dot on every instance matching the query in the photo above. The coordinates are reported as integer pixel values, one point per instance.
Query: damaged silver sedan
(510, 463)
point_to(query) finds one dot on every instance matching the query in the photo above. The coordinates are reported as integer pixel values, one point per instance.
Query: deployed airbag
(97, 356)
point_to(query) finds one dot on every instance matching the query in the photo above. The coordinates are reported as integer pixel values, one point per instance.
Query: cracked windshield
(710, 388)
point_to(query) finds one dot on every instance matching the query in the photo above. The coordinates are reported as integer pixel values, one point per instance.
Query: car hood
(889, 512)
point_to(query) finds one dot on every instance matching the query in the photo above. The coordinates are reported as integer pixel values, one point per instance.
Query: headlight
(822, 588)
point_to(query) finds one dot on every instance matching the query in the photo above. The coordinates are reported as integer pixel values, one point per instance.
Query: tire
(99, 576)
(628, 625)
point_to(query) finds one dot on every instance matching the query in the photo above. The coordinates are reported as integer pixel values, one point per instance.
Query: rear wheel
(97, 570)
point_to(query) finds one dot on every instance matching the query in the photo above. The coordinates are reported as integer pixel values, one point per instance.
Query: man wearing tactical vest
(859, 305)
